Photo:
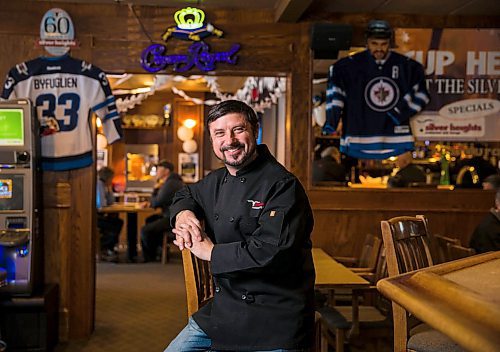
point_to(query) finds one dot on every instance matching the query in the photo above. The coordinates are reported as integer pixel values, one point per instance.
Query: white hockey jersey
(64, 90)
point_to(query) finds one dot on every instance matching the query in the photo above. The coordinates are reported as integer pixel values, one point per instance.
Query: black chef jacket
(260, 222)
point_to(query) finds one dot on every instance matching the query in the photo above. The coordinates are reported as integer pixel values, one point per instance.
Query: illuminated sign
(190, 26)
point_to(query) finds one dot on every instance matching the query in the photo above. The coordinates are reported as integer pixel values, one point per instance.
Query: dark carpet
(139, 307)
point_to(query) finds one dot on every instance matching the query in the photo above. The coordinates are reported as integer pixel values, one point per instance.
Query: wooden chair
(440, 243)
(198, 279)
(456, 251)
(374, 320)
(406, 242)
(368, 258)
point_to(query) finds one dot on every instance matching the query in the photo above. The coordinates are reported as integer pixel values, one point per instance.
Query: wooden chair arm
(361, 271)
(347, 261)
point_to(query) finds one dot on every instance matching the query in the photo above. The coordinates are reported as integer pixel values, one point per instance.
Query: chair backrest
(456, 251)
(406, 243)
(198, 279)
(381, 303)
(370, 252)
(441, 247)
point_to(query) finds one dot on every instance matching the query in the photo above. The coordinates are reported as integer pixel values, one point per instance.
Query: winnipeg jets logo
(381, 94)
(256, 204)
(86, 66)
(22, 68)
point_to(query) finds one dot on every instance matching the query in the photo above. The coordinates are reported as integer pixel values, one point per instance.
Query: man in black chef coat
(256, 230)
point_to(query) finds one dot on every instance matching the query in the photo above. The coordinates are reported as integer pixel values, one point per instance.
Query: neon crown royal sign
(190, 26)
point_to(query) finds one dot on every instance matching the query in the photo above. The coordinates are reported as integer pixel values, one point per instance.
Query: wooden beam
(290, 10)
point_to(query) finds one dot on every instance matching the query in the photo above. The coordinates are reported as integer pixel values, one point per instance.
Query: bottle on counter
(445, 168)
(428, 176)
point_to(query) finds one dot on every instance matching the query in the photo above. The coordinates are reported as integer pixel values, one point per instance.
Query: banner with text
(462, 69)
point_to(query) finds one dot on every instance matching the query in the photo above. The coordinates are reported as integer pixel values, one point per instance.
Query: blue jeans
(192, 339)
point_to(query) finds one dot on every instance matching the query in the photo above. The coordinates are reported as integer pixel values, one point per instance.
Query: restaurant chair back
(456, 251)
(406, 241)
(441, 247)
(198, 280)
(365, 264)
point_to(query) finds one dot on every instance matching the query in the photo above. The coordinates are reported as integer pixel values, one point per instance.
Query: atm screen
(11, 192)
(11, 127)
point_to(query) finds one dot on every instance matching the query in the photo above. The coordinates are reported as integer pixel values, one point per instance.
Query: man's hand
(203, 249)
(187, 229)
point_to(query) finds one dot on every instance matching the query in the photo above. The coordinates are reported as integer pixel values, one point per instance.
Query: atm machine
(20, 206)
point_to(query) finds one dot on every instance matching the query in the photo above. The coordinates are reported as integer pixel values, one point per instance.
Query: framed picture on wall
(189, 167)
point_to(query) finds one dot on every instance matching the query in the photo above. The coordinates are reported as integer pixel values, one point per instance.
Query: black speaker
(327, 39)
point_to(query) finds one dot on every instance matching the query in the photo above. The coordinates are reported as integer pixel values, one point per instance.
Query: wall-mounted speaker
(327, 39)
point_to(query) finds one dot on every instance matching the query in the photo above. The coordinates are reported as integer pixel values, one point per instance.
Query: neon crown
(194, 20)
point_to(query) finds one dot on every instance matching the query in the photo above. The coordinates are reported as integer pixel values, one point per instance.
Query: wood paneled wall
(344, 217)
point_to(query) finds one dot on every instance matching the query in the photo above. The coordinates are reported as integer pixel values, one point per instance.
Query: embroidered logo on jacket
(256, 204)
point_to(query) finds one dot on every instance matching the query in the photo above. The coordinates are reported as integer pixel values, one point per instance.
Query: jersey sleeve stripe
(111, 115)
(108, 101)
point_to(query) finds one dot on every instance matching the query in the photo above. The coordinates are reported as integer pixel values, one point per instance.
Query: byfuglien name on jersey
(57, 82)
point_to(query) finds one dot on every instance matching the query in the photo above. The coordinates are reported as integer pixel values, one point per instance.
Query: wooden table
(134, 221)
(330, 274)
(460, 298)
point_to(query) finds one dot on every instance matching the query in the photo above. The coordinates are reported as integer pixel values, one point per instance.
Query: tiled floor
(139, 307)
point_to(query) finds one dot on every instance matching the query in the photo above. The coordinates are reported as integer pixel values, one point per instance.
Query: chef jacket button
(216, 216)
(243, 297)
(243, 179)
(217, 289)
(231, 219)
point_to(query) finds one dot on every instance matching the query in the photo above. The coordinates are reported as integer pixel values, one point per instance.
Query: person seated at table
(408, 172)
(486, 236)
(492, 182)
(329, 168)
(109, 225)
(167, 183)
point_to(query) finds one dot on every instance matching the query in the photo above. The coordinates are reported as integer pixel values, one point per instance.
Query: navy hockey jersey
(375, 102)
(64, 90)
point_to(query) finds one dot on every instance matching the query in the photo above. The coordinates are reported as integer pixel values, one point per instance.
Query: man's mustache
(232, 146)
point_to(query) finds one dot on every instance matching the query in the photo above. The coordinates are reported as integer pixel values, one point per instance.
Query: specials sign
(462, 69)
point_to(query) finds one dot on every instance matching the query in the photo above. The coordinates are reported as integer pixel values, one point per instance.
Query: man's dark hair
(234, 106)
(105, 173)
(166, 164)
(494, 180)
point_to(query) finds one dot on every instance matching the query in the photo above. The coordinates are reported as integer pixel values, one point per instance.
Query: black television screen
(11, 192)
(11, 127)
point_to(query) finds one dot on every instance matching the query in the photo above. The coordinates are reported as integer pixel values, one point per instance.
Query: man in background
(486, 236)
(167, 183)
(109, 225)
(492, 183)
(329, 168)
(408, 172)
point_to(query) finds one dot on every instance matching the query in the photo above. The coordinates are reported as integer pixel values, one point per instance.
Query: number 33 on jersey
(64, 90)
